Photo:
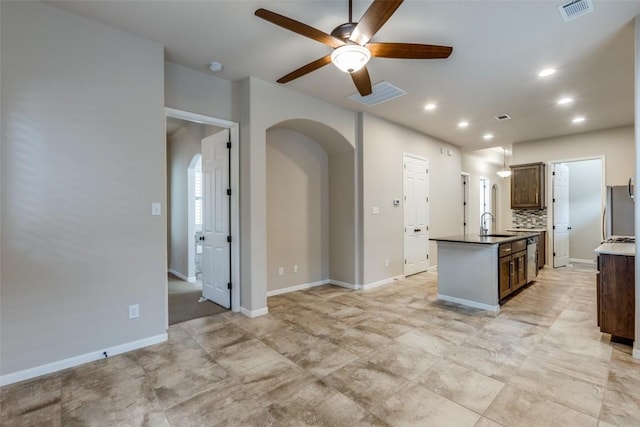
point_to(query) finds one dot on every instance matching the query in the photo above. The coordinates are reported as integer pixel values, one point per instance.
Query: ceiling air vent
(574, 9)
(501, 117)
(382, 92)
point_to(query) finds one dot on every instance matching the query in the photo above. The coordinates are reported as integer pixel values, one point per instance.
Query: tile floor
(392, 355)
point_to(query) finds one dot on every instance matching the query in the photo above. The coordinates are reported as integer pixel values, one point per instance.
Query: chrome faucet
(483, 223)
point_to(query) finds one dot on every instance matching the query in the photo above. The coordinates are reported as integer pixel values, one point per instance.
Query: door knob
(417, 230)
(201, 238)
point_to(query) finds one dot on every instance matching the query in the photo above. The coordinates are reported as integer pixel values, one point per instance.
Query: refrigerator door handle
(630, 189)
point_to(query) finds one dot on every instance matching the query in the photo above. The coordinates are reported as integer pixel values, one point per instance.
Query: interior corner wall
(478, 168)
(383, 146)
(297, 210)
(258, 112)
(636, 345)
(83, 158)
(616, 144)
(585, 208)
(342, 218)
(182, 146)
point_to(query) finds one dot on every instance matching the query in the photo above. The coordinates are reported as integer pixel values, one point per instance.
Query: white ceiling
(498, 49)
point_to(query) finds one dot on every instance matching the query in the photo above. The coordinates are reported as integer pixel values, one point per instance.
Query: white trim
(182, 276)
(492, 308)
(383, 282)
(296, 288)
(79, 360)
(234, 136)
(345, 284)
(433, 269)
(582, 261)
(254, 313)
(636, 353)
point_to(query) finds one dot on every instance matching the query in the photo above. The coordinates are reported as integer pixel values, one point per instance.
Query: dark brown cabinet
(512, 267)
(527, 186)
(542, 249)
(615, 283)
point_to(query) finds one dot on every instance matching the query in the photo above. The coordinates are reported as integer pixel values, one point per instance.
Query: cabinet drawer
(505, 249)
(520, 245)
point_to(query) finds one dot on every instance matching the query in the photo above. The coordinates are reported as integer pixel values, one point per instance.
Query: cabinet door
(505, 269)
(519, 270)
(527, 186)
(617, 302)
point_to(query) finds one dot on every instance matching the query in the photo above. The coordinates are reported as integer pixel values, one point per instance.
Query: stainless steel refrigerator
(619, 212)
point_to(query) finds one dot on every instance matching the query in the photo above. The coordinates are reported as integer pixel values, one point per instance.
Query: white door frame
(549, 192)
(426, 261)
(235, 195)
(465, 178)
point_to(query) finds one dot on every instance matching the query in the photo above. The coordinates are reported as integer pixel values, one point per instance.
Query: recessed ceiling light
(215, 66)
(565, 100)
(430, 106)
(463, 124)
(546, 72)
(487, 136)
(578, 119)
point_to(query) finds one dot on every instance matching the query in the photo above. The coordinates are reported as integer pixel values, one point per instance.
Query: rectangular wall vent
(382, 92)
(575, 8)
(503, 117)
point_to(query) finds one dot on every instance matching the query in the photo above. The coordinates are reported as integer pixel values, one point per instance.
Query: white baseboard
(297, 288)
(254, 313)
(382, 282)
(582, 261)
(345, 284)
(79, 360)
(474, 304)
(432, 269)
(179, 275)
(636, 353)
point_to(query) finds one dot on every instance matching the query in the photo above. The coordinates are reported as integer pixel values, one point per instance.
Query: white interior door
(216, 248)
(416, 215)
(560, 214)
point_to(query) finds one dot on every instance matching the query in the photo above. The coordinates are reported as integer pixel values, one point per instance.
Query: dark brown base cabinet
(512, 267)
(615, 281)
(542, 249)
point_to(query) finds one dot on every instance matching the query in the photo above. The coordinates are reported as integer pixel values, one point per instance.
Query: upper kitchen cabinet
(527, 186)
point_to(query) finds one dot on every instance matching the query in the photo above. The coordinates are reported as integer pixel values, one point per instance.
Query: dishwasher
(532, 258)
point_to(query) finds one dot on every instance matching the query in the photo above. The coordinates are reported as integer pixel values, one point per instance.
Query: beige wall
(383, 145)
(342, 219)
(297, 210)
(617, 145)
(182, 146)
(83, 158)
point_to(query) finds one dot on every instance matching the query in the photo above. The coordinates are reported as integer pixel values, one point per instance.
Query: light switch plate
(375, 210)
(156, 208)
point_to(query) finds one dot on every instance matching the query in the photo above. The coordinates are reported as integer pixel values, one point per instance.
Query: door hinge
(229, 285)
(229, 144)
(427, 256)
(427, 199)
(427, 228)
(228, 191)
(554, 200)
(229, 239)
(427, 170)
(553, 227)
(553, 173)
(554, 254)
(405, 260)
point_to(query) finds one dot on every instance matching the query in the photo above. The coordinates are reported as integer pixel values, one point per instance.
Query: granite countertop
(517, 228)
(628, 249)
(497, 238)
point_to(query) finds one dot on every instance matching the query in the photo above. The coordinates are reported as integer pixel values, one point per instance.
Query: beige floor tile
(620, 409)
(461, 385)
(34, 402)
(414, 405)
(516, 407)
(401, 360)
(486, 422)
(429, 342)
(559, 385)
(226, 336)
(321, 357)
(365, 383)
(500, 361)
(244, 355)
(359, 342)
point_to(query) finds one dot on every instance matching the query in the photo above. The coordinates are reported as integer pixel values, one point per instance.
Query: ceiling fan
(350, 42)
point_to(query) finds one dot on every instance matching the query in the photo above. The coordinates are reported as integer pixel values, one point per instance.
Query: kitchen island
(471, 269)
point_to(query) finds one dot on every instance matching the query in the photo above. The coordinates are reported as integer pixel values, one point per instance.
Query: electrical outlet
(386, 263)
(295, 268)
(281, 271)
(134, 311)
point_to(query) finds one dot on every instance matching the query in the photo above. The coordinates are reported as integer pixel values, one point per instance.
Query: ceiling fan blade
(409, 50)
(299, 28)
(362, 81)
(373, 19)
(306, 69)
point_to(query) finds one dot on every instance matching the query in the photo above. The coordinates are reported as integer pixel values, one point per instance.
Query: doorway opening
(577, 188)
(486, 204)
(416, 213)
(187, 202)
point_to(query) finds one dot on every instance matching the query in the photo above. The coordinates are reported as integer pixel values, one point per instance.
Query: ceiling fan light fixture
(350, 57)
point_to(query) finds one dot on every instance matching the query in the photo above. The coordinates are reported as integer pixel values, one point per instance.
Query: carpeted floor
(183, 301)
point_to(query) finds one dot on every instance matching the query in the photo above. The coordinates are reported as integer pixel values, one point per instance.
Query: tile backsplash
(529, 218)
